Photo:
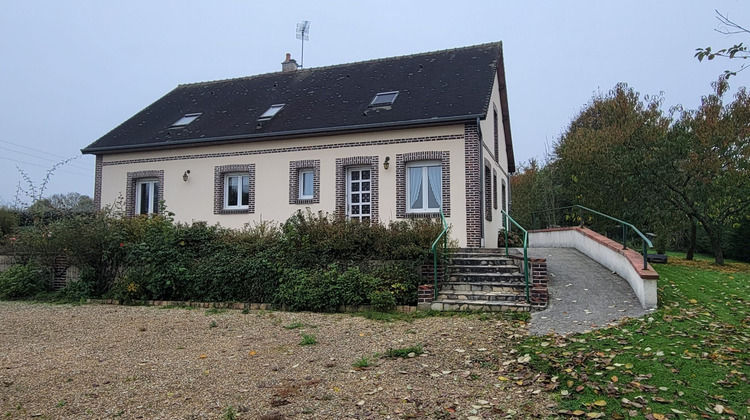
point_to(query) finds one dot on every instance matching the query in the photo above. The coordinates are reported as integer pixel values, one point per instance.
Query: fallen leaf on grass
(676, 411)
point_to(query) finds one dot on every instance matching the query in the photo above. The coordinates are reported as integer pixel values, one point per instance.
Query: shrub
(324, 290)
(401, 278)
(317, 240)
(515, 239)
(75, 291)
(231, 267)
(311, 262)
(23, 281)
(383, 301)
(95, 243)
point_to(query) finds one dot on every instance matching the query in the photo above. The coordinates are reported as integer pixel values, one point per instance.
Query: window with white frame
(147, 196)
(424, 189)
(306, 182)
(236, 191)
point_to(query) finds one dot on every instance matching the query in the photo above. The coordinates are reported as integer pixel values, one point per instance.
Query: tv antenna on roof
(303, 33)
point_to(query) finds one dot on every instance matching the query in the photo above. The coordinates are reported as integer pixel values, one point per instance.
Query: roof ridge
(333, 66)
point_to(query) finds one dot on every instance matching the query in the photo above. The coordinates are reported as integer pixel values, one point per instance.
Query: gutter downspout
(481, 185)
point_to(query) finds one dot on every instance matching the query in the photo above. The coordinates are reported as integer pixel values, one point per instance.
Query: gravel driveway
(102, 361)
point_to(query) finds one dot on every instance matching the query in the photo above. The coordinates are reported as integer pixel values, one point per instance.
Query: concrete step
(481, 260)
(477, 255)
(453, 268)
(499, 287)
(485, 277)
(480, 250)
(479, 305)
(483, 296)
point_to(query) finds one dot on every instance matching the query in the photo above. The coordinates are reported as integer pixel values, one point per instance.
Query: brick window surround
(487, 191)
(504, 197)
(132, 180)
(363, 161)
(295, 167)
(98, 181)
(494, 189)
(496, 133)
(220, 173)
(445, 163)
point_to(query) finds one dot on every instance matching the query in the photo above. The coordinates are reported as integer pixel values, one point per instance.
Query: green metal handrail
(525, 249)
(434, 250)
(625, 225)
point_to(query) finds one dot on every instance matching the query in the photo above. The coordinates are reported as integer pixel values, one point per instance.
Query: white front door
(358, 197)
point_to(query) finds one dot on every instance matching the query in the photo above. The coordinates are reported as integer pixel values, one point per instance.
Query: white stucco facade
(192, 200)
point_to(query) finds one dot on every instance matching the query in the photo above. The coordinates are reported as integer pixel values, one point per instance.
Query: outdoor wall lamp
(387, 163)
(185, 175)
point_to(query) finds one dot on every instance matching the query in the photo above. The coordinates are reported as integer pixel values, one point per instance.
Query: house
(381, 140)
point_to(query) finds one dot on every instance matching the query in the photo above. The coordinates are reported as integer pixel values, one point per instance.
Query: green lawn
(688, 359)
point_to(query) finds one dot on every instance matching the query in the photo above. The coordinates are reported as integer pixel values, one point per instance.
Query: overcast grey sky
(70, 71)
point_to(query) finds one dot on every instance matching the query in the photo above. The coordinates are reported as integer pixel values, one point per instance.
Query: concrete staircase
(481, 279)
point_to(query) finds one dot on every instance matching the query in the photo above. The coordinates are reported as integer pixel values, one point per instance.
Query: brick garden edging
(237, 305)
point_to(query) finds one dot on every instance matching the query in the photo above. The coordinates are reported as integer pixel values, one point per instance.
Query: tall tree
(600, 156)
(704, 164)
(622, 156)
(535, 191)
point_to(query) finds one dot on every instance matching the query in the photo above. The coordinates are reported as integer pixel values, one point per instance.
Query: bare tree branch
(730, 27)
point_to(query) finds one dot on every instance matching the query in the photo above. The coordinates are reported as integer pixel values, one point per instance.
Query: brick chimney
(289, 64)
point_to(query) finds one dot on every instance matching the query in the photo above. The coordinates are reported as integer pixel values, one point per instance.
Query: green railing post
(444, 236)
(508, 221)
(506, 235)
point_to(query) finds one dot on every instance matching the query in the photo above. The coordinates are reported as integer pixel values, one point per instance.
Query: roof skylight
(185, 120)
(271, 112)
(383, 99)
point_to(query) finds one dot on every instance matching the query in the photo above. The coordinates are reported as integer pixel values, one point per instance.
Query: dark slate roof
(434, 88)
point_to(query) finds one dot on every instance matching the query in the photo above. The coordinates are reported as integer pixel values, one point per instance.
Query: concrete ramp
(627, 263)
(584, 295)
